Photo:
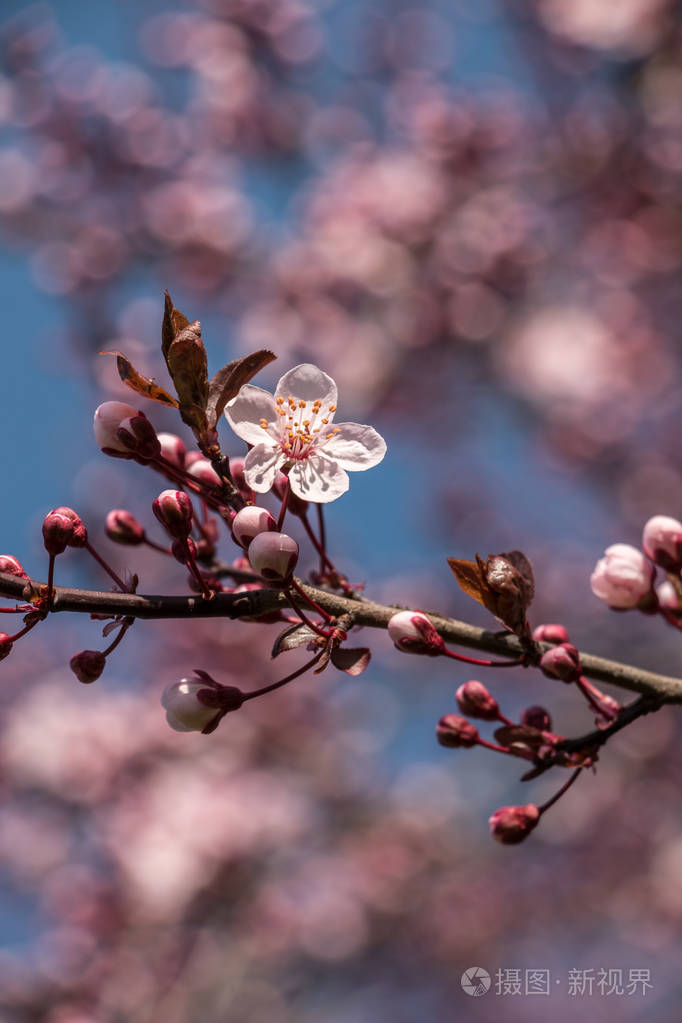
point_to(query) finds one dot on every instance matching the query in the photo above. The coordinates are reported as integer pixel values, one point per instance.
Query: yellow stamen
(332, 408)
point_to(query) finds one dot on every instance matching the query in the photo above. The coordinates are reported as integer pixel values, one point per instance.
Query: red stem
(564, 788)
(309, 600)
(283, 681)
(485, 664)
(91, 550)
(303, 616)
(112, 646)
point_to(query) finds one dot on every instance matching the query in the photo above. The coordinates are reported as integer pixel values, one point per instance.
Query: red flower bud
(474, 700)
(455, 731)
(5, 646)
(183, 550)
(12, 566)
(249, 522)
(550, 634)
(537, 717)
(63, 528)
(239, 480)
(562, 662)
(662, 542)
(122, 527)
(88, 665)
(273, 556)
(511, 824)
(173, 509)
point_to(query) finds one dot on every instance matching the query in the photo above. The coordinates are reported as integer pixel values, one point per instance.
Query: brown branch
(661, 688)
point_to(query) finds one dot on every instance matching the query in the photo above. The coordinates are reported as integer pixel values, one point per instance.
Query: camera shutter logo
(475, 981)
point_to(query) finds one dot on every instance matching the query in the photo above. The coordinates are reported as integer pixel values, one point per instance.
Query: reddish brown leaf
(291, 638)
(509, 735)
(143, 385)
(352, 661)
(228, 381)
(173, 323)
(471, 578)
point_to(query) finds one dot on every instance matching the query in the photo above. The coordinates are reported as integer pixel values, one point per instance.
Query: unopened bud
(562, 662)
(550, 634)
(204, 473)
(172, 449)
(296, 505)
(193, 456)
(124, 432)
(537, 717)
(273, 556)
(123, 528)
(662, 542)
(474, 700)
(5, 646)
(623, 577)
(455, 731)
(193, 705)
(511, 824)
(173, 509)
(88, 665)
(183, 550)
(668, 597)
(11, 565)
(63, 528)
(249, 522)
(239, 480)
(413, 633)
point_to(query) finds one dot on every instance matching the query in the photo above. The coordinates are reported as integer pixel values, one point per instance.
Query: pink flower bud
(413, 633)
(197, 705)
(623, 577)
(172, 449)
(185, 709)
(668, 597)
(273, 556)
(124, 432)
(194, 456)
(203, 471)
(454, 731)
(537, 717)
(550, 634)
(173, 509)
(88, 665)
(12, 566)
(63, 528)
(662, 542)
(122, 527)
(474, 700)
(562, 661)
(511, 824)
(5, 646)
(249, 522)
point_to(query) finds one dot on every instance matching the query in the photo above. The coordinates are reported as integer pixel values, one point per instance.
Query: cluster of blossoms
(625, 578)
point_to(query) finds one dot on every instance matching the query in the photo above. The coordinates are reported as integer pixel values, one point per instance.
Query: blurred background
(470, 215)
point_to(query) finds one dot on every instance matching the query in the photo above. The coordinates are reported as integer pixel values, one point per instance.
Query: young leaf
(143, 385)
(228, 381)
(291, 638)
(471, 578)
(173, 323)
(352, 661)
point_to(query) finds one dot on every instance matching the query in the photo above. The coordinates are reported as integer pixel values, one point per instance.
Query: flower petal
(260, 467)
(355, 447)
(244, 414)
(318, 479)
(307, 383)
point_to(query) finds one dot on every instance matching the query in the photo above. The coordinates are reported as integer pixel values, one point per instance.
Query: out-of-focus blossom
(662, 541)
(623, 577)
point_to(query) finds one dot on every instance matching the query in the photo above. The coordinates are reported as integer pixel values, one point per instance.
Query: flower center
(301, 426)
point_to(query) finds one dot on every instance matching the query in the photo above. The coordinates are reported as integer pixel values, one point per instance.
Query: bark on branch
(661, 688)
